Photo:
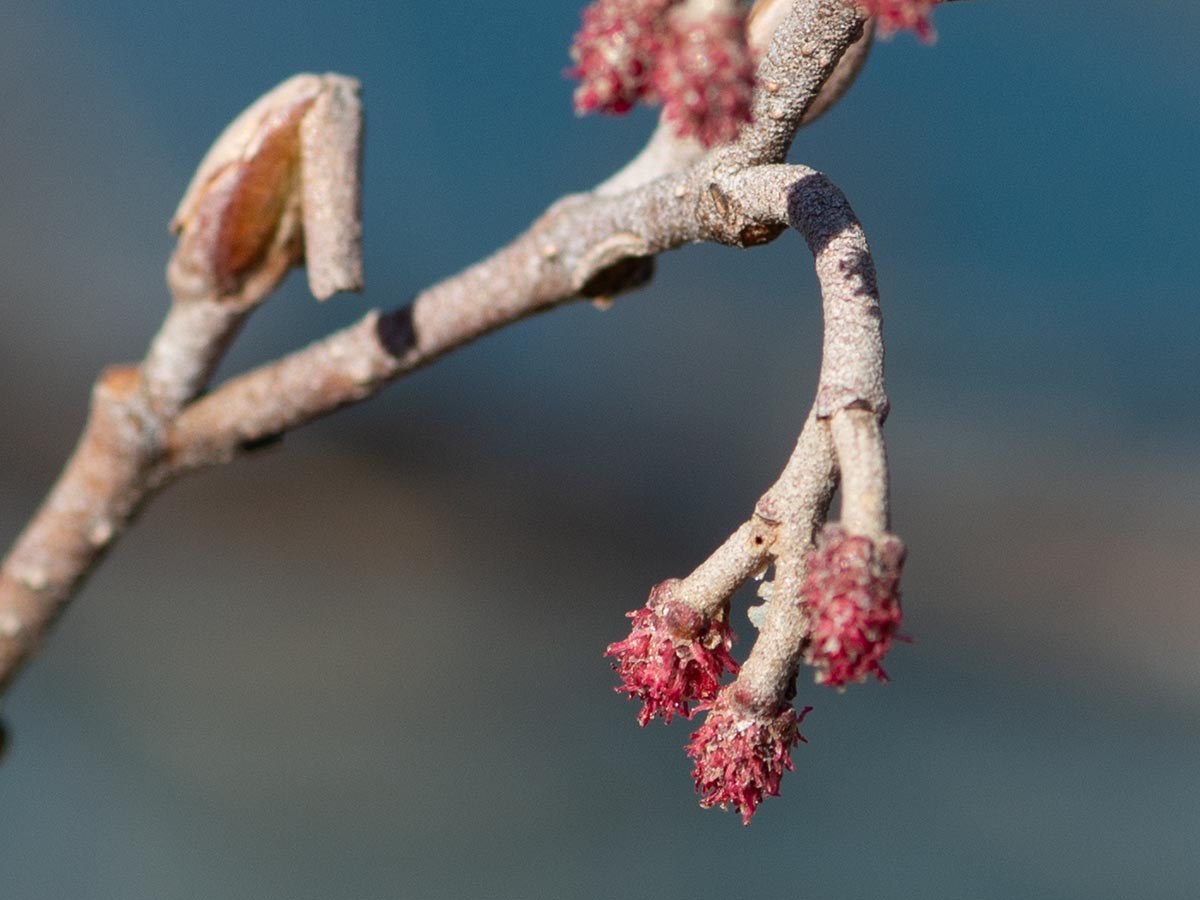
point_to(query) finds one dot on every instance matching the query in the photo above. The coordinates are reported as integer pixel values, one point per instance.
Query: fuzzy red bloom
(903, 15)
(614, 53)
(852, 594)
(741, 754)
(673, 656)
(705, 77)
(694, 62)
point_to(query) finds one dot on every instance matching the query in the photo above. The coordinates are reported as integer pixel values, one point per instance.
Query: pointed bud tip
(279, 187)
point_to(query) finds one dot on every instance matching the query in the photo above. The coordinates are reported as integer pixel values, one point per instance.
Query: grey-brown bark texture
(282, 185)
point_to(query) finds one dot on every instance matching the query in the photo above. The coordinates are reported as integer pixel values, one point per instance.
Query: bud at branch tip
(280, 187)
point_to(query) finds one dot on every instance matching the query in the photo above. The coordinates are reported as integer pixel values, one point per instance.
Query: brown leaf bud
(280, 186)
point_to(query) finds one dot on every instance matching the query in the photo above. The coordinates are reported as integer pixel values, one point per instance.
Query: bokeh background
(367, 664)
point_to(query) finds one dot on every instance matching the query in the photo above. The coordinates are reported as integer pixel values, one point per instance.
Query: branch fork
(281, 187)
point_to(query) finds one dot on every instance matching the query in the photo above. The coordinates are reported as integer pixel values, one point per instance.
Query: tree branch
(840, 436)
(147, 426)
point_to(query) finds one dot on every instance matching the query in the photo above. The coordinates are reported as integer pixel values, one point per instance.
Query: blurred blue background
(368, 664)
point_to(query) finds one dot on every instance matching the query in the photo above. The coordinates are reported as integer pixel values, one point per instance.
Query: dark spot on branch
(790, 694)
(395, 331)
(757, 233)
(626, 274)
(267, 441)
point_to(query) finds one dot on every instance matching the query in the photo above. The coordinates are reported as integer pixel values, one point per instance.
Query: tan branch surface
(150, 423)
(841, 436)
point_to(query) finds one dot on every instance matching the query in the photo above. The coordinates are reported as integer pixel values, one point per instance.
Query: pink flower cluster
(903, 15)
(615, 52)
(673, 656)
(740, 753)
(705, 78)
(852, 595)
(699, 68)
